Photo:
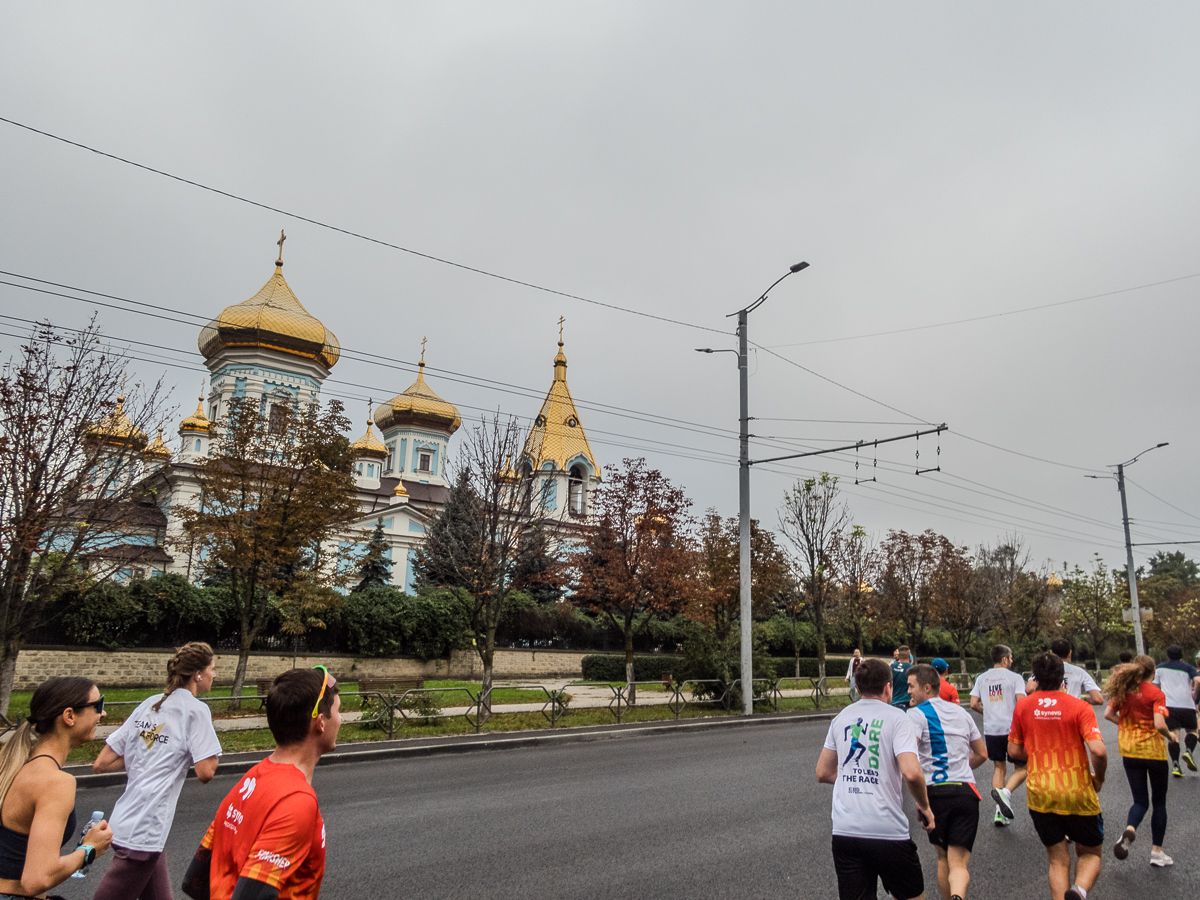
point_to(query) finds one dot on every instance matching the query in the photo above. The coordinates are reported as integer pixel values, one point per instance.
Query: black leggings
(1157, 772)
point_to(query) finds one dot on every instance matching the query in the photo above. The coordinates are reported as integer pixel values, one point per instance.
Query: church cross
(560, 325)
(423, 340)
(282, 238)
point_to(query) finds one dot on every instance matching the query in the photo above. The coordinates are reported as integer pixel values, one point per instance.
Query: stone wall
(147, 668)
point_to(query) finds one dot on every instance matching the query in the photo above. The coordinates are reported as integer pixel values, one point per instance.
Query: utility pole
(1130, 572)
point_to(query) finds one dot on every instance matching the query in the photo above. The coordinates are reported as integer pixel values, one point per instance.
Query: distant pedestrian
(1077, 681)
(1057, 733)
(946, 690)
(950, 746)
(1139, 710)
(1178, 681)
(995, 694)
(164, 737)
(870, 748)
(1125, 656)
(900, 667)
(855, 661)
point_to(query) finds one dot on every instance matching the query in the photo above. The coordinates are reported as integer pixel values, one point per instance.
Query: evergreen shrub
(608, 667)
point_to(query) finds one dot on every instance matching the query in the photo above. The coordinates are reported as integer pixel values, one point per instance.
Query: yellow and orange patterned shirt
(268, 829)
(1054, 729)
(1136, 735)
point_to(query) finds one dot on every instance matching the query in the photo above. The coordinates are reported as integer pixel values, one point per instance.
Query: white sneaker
(1160, 858)
(1003, 798)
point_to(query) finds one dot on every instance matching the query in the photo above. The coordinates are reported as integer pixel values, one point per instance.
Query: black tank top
(14, 845)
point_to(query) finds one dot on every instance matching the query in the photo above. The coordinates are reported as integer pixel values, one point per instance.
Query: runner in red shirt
(1140, 710)
(946, 691)
(1056, 733)
(267, 841)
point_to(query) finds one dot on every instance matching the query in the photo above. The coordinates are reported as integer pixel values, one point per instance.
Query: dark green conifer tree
(376, 569)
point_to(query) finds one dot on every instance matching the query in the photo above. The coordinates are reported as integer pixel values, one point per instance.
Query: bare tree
(909, 561)
(813, 519)
(961, 603)
(70, 470)
(481, 537)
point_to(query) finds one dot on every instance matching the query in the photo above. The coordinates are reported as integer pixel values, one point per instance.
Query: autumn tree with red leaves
(636, 558)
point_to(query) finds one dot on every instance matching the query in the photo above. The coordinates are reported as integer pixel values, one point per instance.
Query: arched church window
(575, 491)
(277, 423)
(197, 445)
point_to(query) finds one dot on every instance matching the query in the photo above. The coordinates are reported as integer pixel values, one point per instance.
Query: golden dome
(116, 428)
(508, 473)
(369, 445)
(1054, 581)
(197, 421)
(557, 435)
(157, 449)
(273, 318)
(418, 405)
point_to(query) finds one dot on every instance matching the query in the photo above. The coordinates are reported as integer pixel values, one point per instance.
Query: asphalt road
(731, 813)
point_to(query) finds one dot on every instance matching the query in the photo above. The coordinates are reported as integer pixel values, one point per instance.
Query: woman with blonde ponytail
(1140, 710)
(164, 737)
(37, 798)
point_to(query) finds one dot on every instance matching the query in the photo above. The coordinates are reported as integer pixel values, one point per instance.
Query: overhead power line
(362, 237)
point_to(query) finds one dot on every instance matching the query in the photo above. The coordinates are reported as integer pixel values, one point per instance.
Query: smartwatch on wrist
(89, 854)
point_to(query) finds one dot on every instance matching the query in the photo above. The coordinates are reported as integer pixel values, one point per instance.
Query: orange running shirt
(1136, 735)
(1054, 727)
(268, 829)
(948, 692)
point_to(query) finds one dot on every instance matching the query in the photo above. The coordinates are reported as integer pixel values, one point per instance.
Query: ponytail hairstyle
(52, 697)
(1125, 679)
(188, 660)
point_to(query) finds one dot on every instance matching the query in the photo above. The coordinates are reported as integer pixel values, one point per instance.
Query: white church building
(271, 348)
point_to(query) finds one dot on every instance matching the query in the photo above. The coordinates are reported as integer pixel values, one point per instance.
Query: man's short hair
(1048, 671)
(872, 676)
(903, 650)
(1000, 652)
(1125, 656)
(927, 676)
(290, 704)
(1060, 647)
(1174, 652)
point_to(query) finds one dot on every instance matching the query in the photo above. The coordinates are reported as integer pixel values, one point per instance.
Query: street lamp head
(797, 267)
(704, 350)
(1163, 444)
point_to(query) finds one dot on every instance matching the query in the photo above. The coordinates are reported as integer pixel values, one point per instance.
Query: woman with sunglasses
(37, 798)
(164, 737)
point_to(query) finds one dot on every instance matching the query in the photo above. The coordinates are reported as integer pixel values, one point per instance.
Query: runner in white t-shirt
(871, 748)
(1077, 681)
(950, 746)
(1178, 680)
(995, 694)
(164, 737)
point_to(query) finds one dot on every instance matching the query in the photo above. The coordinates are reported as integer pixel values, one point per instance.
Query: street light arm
(1144, 452)
(792, 270)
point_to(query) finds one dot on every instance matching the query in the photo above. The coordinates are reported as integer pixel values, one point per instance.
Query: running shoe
(1177, 772)
(1121, 848)
(1001, 819)
(1187, 758)
(1003, 798)
(1160, 859)
(1075, 893)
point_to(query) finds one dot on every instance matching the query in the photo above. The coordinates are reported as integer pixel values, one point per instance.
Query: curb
(240, 763)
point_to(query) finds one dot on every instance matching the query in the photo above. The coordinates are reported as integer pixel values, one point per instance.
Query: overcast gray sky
(932, 162)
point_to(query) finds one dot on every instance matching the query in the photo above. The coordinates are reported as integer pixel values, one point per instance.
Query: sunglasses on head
(320, 696)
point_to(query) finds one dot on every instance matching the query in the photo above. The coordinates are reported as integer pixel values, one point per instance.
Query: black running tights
(1157, 773)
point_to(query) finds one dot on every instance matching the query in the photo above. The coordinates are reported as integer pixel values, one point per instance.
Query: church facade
(269, 348)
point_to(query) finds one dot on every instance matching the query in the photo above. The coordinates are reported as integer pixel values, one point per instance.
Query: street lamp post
(1130, 572)
(744, 486)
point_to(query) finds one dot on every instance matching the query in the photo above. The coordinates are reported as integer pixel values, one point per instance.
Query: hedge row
(609, 667)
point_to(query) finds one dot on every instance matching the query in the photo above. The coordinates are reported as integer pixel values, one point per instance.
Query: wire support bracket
(855, 446)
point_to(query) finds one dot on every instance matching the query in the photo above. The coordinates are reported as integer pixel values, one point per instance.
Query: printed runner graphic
(861, 765)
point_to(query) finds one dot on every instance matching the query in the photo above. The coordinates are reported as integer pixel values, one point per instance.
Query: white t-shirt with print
(1077, 681)
(159, 748)
(997, 690)
(944, 732)
(867, 736)
(1175, 678)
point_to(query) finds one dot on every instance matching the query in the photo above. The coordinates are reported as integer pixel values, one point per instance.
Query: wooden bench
(397, 685)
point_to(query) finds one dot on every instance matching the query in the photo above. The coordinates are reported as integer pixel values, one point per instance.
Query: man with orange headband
(267, 841)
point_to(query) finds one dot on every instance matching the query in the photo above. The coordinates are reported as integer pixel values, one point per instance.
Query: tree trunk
(8, 671)
(629, 676)
(487, 657)
(962, 659)
(819, 626)
(239, 674)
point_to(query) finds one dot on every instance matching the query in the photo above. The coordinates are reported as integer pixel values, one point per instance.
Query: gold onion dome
(274, 319)
(116, 428)
(418, 405)
(1054, 581)
(369, 445)
(157, 449)
(508, 473)
(197, 421)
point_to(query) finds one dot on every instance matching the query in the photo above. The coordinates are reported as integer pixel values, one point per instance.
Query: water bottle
(97, 818)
